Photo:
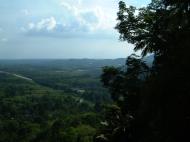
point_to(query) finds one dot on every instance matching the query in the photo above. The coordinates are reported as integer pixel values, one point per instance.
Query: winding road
(16, 75)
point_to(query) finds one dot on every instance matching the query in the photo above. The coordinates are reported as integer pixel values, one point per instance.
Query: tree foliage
(155, 99)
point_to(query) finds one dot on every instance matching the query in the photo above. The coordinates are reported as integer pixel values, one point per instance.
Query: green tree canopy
(157, 99)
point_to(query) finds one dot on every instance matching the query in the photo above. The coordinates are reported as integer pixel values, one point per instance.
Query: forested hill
(51, 100)
(66, 63)
(32, 112)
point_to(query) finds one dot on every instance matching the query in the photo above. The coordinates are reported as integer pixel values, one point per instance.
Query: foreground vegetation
(151, 103)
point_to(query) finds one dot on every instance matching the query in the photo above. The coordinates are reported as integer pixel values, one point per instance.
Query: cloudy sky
(61, 29)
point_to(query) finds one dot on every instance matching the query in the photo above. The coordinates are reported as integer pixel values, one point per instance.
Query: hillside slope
(30, 112)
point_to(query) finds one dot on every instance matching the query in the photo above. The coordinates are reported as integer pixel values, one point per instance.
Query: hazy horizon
(61, 29)
(2, 59)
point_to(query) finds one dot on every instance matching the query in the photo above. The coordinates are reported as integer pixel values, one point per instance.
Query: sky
(56, 29)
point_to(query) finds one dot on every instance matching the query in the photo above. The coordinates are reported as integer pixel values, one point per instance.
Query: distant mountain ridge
(71, 62)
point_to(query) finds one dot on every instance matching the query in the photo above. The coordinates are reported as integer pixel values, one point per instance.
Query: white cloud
(104, 19)
(66, 5)
(79, 17)
(47, 24)
(31, 25)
